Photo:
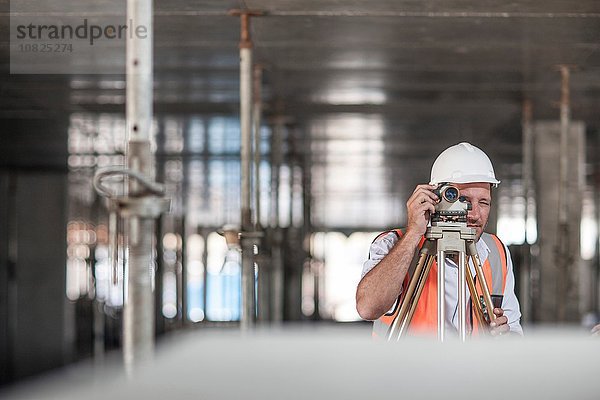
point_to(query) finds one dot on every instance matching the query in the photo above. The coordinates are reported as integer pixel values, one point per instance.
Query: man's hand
(596, 330)
(420, 206)
(500, 325)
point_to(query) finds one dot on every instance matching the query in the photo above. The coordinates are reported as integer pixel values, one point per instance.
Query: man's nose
(473, 214)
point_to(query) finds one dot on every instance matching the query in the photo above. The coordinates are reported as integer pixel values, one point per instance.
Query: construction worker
(391, 254)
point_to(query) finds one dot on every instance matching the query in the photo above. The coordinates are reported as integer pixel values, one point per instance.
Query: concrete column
(36, 331)
(6, 271)
(559, 260)
(32, 273)
(276, 267)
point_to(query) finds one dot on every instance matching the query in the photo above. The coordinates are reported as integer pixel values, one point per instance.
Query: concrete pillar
(6, 271)
(36, 330)
(559, 262)
(32, 292)
(276, 239)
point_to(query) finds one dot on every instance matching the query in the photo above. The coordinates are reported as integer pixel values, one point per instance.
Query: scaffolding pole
(277, 277)
(526, 280)
(564, 258)
(257, 113)
(262, 285)
(248, 233)
(138, 322)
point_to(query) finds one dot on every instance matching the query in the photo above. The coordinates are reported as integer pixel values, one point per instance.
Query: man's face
(479, 194)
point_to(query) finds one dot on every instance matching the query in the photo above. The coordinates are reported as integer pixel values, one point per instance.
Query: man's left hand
(500, 325)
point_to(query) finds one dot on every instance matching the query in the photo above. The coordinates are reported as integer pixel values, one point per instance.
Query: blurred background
(358, 98)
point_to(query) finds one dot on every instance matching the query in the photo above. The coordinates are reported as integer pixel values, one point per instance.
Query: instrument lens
(451, 194)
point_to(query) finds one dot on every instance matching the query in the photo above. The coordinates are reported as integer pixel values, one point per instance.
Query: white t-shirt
(380, 248)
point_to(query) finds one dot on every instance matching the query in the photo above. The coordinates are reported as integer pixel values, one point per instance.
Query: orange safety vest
(424, 320)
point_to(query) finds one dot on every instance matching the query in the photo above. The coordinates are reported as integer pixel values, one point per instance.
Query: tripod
(446, 238)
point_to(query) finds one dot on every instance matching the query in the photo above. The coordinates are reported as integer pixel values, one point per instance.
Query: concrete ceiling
(425, 73)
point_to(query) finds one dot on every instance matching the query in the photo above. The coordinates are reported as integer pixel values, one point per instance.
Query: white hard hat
(462, 163)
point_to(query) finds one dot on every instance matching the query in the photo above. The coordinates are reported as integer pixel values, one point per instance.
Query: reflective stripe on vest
(425, 317)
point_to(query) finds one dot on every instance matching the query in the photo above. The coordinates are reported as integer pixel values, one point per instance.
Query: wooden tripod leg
(406, 299)
(487, 299)
(409, 297)
(413, 305)
(475, 298)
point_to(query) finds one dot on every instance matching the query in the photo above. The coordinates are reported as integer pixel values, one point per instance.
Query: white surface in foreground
(338, 363)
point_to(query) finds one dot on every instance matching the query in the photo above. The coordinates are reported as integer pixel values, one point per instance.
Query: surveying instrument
(447, 235)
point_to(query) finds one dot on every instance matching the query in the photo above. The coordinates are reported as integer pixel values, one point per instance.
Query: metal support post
(306, 221)
(565, 116)
(527, 172)
(462, 297)
(246, 121)
(138, 322)
(142, 201)
(276, 159)
(257, 113)
(248, 284)
(277, 238)
(261, 262)
(441, 284)
(527, 279)
(564, 256)
(248, 234)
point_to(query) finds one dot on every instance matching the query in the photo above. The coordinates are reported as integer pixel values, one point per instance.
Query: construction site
(224, 199)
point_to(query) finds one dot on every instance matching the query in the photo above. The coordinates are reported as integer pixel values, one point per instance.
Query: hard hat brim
(469, 179)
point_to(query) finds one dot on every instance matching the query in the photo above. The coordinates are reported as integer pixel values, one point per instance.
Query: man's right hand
(420, 206)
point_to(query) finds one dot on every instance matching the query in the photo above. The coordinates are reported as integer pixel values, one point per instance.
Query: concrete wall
(32, 272)
(33, 199)
(559, 293)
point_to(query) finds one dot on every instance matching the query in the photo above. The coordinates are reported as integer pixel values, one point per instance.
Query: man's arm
(380, 287)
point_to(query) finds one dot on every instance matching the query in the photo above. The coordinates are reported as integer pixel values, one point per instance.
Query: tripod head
(452, 208)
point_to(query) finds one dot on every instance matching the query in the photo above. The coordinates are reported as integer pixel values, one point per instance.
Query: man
(391, 254)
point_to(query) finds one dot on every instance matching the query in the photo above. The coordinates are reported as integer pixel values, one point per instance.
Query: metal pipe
(462, 298)
(262, 285)
(307, 188)
(565, 115)
(138, 320)
(246, 133)
(276, 144)
(527, 172)
(248, 278)
(257, 110)
(277, 278)
(563, 201)
(248, 241)
(441, 284)
(526, 278)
